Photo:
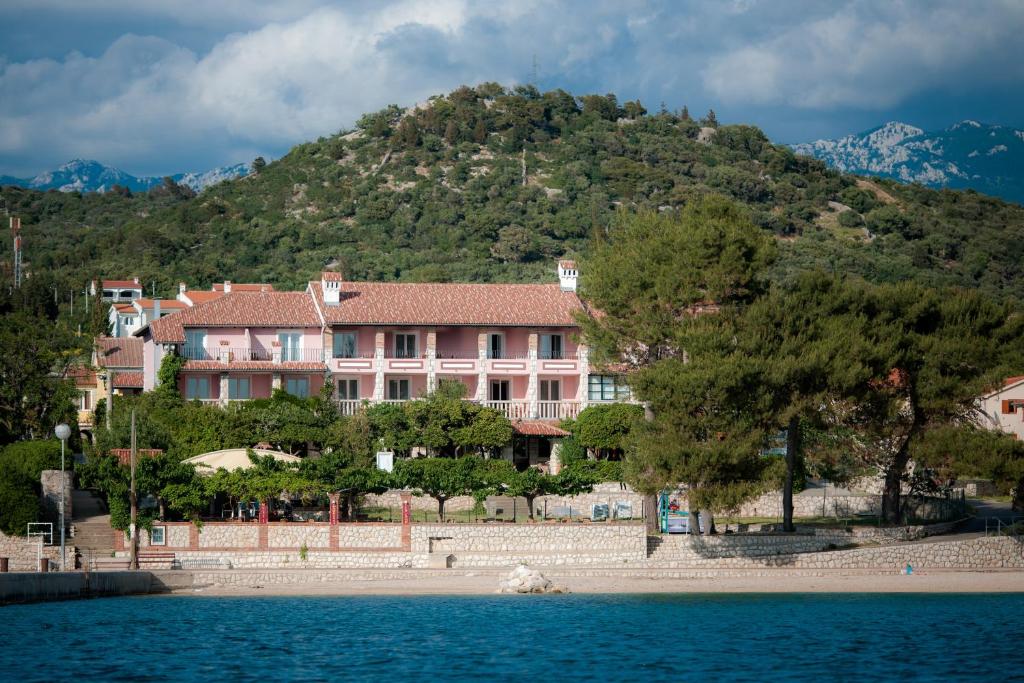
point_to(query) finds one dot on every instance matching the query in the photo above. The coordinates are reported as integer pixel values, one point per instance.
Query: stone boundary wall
(382, 546)
(242, 536)
(22, 553)
(997, 552)
(607, 492)
(490, 545)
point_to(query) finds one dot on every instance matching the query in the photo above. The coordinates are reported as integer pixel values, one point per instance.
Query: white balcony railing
(349, 407)
(558, 410)
(513, 410)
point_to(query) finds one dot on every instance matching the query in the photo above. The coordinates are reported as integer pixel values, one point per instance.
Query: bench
(201, 563)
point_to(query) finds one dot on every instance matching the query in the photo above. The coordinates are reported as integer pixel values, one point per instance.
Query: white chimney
(181, 288)
(331, 284)
(227, 286)
(567, 275)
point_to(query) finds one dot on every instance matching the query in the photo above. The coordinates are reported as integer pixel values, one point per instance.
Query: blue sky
(156, 87)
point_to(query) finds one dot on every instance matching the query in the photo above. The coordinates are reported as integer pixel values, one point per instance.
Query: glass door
(290, 344)
(499, 390)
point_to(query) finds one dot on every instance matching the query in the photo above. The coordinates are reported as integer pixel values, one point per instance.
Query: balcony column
(275, 381)
(431, 357)
(531, 387)
(378, 359)
(481, 380)
(583, 391)
(224, 388)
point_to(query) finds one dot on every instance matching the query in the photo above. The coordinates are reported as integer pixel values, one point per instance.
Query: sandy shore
(468, 583)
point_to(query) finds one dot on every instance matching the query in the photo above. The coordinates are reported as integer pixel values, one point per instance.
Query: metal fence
(511, 510)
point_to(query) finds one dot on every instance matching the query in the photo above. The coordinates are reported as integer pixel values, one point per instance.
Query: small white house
(1004, 408)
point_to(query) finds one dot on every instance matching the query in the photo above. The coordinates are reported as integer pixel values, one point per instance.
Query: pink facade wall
(470, 382)
(259, 337)
(457, 342)
(417, 385)
(260, 386)
(366, 382)
(570, 385)
(365, 339)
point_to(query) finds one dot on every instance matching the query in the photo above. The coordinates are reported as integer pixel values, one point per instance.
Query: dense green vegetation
(438, 193)
(879, 367)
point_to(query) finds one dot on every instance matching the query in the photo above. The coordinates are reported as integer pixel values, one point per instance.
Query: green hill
(487, 184)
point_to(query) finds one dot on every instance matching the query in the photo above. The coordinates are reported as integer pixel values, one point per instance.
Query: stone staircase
(91, 532)
(94, 540)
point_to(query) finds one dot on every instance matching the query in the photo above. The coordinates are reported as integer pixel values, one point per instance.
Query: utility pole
(133, 500)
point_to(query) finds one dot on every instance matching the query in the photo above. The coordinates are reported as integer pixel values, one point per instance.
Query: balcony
(227, 354)
(513, 410)
(558, 410)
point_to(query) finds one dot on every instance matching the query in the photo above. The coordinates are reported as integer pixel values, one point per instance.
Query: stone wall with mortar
(22, 553)
(499, 545)
(809, 552)
(381, 545)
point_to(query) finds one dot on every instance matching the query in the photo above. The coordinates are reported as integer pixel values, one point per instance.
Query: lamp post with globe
(63, 432)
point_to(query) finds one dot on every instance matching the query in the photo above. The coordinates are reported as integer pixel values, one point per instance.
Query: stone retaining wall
(497, 545)
(22, 552)
(979, 553)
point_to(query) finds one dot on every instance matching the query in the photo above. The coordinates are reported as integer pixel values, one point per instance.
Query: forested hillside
(487, 184)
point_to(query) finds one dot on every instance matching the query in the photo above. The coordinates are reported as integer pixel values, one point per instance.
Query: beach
(479, 583)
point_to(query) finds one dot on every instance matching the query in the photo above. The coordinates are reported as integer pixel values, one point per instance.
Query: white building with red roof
(1003, 408)
(120, 291)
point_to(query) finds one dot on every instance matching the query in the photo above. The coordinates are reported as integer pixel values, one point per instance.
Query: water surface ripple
(689, 637)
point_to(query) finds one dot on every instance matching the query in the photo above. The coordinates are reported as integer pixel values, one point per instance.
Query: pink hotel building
(513, 346)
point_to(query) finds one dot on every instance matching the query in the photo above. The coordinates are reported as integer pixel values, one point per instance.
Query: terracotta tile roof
(198, 296)
(396, 303)
(164, 303)
(125, 308)
(82, 375)
(255, 366)
(1013, 380)
(244, 287)
(331, 276)
(121, 284)
(119, 352)
(128, 380)
(538, 428)
(239, 309)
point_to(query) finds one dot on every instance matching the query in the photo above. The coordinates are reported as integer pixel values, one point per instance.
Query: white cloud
(284, 72)
(873, 55)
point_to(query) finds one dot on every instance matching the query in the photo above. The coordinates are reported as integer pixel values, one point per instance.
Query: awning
(538, 428)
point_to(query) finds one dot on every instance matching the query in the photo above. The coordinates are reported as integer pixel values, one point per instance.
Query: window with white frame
(398, 389)
(405, 345)
(291, 345)
(85, 400)
(607, 388)
(238, 388)
(297, 386)
(551, 346)
(158, 535)
(344, 344)
(197, 388)
(195, 344)
(348, 389)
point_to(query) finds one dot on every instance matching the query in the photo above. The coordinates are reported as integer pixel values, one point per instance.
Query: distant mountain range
(986, 158)
(81, 175)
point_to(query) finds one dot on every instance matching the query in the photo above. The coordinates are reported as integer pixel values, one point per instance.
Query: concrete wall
(68, 585)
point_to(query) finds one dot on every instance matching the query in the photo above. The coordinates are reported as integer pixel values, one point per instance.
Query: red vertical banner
(406, 513)
(264, 511)
(334, 508)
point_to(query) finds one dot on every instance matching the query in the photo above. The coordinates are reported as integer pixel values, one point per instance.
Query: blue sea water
(527, 639)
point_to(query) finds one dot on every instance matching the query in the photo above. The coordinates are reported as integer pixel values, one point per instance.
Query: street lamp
(63, 432)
